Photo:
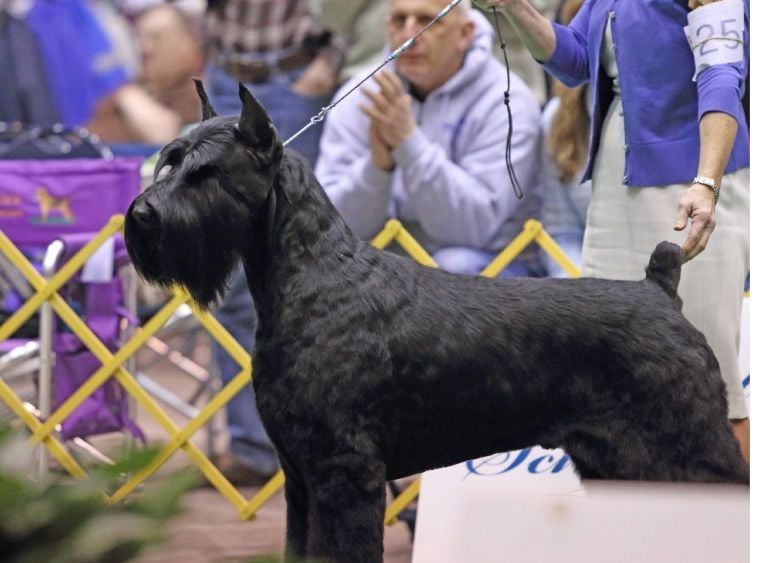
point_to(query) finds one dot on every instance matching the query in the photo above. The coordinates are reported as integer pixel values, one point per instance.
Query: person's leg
(472, 261)
(712, 284)
(741, 426)
(248, 439)
(712, 288)
(571, 244)
(624, 226)
(741, 431)
(462, 260)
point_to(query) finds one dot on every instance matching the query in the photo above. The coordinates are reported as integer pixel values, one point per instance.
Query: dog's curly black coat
(369, 366)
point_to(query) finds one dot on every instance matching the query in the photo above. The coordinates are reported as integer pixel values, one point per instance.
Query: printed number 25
(710, 31)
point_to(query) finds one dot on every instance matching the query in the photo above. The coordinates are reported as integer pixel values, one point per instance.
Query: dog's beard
(194, 245)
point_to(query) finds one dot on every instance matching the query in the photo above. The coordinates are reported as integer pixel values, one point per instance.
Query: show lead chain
(508, 151)
(403, 47)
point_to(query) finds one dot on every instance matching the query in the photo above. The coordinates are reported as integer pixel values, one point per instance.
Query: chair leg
(409, 514)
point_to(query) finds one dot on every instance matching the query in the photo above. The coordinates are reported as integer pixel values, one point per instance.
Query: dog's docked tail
(665, 269)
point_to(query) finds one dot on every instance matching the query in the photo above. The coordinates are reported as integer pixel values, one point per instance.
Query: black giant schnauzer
(370, 367)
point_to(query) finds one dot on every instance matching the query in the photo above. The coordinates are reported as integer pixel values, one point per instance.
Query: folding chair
(49, 209)
(174, 344)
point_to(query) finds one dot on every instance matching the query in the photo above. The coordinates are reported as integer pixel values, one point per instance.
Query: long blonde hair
(568, 135)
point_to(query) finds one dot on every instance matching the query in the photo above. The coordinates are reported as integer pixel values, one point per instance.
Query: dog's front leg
(346, 506)
(296, 497)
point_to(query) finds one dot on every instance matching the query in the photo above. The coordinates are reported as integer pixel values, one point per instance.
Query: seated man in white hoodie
(425, 143)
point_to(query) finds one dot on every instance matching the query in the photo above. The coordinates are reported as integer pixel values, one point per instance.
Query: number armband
(716, 34)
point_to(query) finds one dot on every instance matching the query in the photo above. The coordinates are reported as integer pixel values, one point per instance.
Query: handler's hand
(391, 109)
(491, 3)
(697, 204)
(694, 4)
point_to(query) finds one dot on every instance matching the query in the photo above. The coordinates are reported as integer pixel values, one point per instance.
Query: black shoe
(238, 472)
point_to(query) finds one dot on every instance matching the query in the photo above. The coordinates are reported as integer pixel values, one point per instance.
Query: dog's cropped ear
(254, 123)
(207, 109)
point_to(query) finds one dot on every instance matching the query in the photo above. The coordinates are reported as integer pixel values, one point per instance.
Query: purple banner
(43, 199)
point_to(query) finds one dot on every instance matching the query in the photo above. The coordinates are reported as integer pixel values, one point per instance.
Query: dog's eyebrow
(207, 150)
(175, 146)
(171, 154)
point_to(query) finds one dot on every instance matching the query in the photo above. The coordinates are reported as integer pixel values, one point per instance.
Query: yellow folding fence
(113, 363)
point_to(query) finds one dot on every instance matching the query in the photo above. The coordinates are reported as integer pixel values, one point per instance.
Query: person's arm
(533, 29)
(155, 123)
(717, 132)
(320, 78)
(720, 109)
(562, 50)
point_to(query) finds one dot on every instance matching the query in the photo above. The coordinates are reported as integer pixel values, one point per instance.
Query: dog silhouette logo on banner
(53, 209)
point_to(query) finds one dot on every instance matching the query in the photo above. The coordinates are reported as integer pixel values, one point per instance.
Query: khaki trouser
(625, 224)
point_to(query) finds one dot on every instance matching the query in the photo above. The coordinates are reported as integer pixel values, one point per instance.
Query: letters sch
(533, 460)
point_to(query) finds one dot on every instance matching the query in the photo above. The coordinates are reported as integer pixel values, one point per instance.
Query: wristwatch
(710, 183)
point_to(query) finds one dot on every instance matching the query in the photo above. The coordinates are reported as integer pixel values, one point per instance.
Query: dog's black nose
(143, 212)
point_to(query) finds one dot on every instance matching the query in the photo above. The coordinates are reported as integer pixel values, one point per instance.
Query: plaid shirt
(236, 27)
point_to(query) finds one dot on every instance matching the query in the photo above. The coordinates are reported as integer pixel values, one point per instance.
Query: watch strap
(708, 182)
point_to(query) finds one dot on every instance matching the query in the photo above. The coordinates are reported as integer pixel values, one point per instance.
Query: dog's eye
(201, 173)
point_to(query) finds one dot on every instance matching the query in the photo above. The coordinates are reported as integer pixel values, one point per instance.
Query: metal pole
(49, 265)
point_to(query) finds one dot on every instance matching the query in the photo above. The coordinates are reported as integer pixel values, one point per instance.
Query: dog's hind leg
(346, 504)
(607, 448)
(713, 455)
(625, 449)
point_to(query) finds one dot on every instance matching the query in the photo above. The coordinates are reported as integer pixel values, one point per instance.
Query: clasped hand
(391, 118)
